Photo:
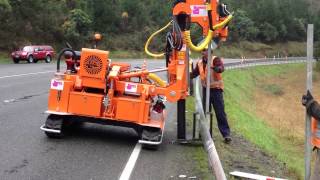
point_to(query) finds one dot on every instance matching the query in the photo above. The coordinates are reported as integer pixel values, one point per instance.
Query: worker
(313, 109)
(216, 90)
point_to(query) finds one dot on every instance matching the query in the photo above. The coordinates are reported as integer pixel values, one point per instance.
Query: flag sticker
(57, 84)
(131, 87)
(198, 10)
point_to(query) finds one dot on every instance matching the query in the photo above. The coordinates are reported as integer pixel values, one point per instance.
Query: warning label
(198, 10)
(131, 88)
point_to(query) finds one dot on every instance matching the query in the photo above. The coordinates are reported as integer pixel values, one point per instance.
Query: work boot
(227, 140)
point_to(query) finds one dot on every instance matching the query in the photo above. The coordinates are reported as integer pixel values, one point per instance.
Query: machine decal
(93, 64)
(57, 84)
(198, 10)
(132, 88)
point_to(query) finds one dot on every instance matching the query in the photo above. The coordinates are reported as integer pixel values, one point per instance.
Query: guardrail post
(308, 146)
(207, 104)
(195, 128)
(181, 124)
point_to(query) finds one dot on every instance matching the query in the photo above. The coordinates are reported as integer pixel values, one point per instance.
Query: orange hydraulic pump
(106, 93)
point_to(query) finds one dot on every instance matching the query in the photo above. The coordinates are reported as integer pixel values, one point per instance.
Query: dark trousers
(216, 100)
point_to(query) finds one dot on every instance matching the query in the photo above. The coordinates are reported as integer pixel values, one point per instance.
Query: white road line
(27, 74)
(9, 100)
(126, 173)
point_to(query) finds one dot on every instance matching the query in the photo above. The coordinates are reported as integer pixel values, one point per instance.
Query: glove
(307, 99)
(216, 69)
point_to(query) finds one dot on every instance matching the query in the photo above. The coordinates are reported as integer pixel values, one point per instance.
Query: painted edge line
(253, 176)
(126, 173)
(26, 74)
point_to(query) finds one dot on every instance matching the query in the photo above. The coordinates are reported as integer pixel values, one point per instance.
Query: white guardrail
(213, 157)
(243, 63)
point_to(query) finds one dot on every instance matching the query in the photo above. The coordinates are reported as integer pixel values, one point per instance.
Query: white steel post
(308, 146)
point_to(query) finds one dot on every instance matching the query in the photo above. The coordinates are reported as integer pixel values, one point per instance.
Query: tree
(268, 32)
(77, 26)
(54, 22)
(4, 6)
(243, 27)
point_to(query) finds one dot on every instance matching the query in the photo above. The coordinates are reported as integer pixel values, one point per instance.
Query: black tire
(54, 135)
(35, 60)
(55, 122)
(16, 61)
(30, 59)
(150, 147)
(48, 59)
(151, 134)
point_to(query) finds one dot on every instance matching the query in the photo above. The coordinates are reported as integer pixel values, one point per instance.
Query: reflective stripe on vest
(215, 78)
(315, 129)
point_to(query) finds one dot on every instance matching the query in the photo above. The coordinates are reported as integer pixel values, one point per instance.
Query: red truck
(32, 54)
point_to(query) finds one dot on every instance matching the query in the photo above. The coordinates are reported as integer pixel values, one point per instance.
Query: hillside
(126, 24)
(264, 105)
(264, 110)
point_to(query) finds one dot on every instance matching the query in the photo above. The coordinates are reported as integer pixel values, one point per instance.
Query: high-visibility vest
(315, 130)
(215, 78)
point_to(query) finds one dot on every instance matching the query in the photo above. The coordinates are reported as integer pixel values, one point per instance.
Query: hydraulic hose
(223, 23)
(204, 44)
(187, 37)
(157, 79)
(149, 41)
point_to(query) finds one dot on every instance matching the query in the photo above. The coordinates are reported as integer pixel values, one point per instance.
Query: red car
(33, 53)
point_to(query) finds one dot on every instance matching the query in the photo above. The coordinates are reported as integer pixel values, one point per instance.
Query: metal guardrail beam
(243, 63)
(208, 143)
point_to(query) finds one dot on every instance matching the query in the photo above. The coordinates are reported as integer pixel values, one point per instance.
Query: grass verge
(240, 86)
(4, 58)
(240, 104)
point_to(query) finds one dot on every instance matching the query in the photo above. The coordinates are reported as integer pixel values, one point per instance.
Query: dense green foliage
(272, 20)
(126, 24)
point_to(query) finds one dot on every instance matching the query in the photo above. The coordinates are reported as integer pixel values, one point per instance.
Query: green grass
(239, 103)
(5, 58)
(238, 96)
(273, 89)
(197, 153)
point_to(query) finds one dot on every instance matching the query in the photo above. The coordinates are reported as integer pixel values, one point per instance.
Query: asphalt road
(90, 152)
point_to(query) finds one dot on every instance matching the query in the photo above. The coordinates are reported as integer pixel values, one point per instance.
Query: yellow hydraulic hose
(187, 37)
(202, 46)
(157, 79)
(223, 23)
(149, 41)
(209, 37)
